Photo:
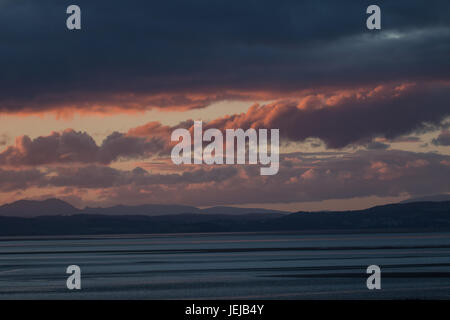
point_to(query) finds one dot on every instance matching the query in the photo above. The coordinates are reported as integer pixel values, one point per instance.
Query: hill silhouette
(34, 208)
(416, 216)
(54, 207)
(436, 197)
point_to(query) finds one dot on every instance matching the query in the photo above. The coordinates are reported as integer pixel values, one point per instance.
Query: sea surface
(227, 266)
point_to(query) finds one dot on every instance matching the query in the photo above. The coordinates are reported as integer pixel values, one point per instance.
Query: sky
(86, 115)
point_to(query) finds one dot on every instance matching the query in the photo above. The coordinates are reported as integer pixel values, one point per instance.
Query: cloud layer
(303, 177)
(188, 54)
(72, 146)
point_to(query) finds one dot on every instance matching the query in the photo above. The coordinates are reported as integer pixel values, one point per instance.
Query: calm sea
(228, 266)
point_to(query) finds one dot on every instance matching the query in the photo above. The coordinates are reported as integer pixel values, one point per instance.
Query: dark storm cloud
(376, 145)
(13, 180)
(72, 146)
(106, 177)
(443, 139)
(354, 119)
(341, 120)
(159, 51)
(97, 177)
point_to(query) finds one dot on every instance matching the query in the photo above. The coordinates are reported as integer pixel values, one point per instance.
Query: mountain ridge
(34, 208)
(399, 217)
(436, 197)
(54, 206)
